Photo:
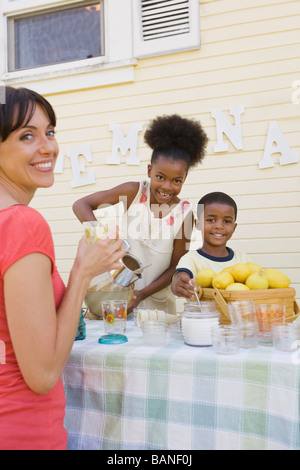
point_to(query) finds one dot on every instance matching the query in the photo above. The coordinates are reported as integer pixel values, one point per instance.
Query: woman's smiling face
(28, 156)
(167, 177)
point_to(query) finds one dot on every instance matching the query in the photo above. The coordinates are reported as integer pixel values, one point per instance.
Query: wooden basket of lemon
(247, 281)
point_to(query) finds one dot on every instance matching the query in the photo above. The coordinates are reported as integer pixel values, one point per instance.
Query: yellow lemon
(257, 281)
(204, 277)
(229, 268)
(254, 267)
(240, 272)
(222, 280)
(277, 280)
(237, 286)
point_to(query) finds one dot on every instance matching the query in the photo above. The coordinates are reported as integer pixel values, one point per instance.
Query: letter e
(78, 168)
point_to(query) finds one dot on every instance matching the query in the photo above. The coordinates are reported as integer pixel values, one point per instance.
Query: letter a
(275, 136)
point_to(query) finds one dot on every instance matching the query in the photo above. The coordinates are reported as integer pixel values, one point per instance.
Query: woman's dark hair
(213, 198)
(18, 109)
(177, 138)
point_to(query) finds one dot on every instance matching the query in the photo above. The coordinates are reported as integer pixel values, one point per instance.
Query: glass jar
(196, 324)
(173, 329)
(154, 333)
(248, 335)
(206, 306)
(226, 339)
(285, 337)
(296, 326)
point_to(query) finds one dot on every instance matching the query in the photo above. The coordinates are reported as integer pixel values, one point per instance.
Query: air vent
(165, 26)
(165, 18)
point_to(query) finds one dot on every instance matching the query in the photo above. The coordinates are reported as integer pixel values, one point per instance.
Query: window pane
(59, 36)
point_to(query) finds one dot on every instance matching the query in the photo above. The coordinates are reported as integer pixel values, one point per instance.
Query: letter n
(233, 132)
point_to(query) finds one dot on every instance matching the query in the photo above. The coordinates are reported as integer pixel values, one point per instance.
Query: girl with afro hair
(156, 223)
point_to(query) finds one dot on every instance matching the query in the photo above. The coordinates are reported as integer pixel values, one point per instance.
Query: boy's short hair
(216, 197)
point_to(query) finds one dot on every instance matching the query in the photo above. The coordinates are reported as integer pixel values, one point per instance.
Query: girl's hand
(136, 299)
(183, 286)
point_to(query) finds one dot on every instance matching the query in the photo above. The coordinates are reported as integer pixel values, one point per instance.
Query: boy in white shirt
(216, 218)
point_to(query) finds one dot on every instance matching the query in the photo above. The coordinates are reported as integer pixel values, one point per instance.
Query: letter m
(124, 144)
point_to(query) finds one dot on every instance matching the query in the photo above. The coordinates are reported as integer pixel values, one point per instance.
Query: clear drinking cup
(95, 230)
(226, 339)
(114, 316)
(285, 337)
(268, 315)
(248, 335)
(242, 311)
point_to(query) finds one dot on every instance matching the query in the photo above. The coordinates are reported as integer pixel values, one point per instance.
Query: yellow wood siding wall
(249, 56)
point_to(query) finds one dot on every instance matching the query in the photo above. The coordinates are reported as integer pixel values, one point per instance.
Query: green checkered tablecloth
(176, 397)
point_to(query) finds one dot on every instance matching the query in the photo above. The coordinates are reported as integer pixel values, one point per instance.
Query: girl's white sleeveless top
(151, 240)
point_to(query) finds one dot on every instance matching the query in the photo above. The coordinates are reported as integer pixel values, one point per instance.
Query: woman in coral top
(38, 314)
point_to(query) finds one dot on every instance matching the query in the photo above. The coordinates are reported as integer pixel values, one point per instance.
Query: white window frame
(11, 31)
(115, 66)
(123, 46)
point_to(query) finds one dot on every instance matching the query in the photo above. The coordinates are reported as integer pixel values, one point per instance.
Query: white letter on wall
(275, 136)
(233, 132)
(78, 168)
(124, 144)
(296, 94)
(59, 166)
